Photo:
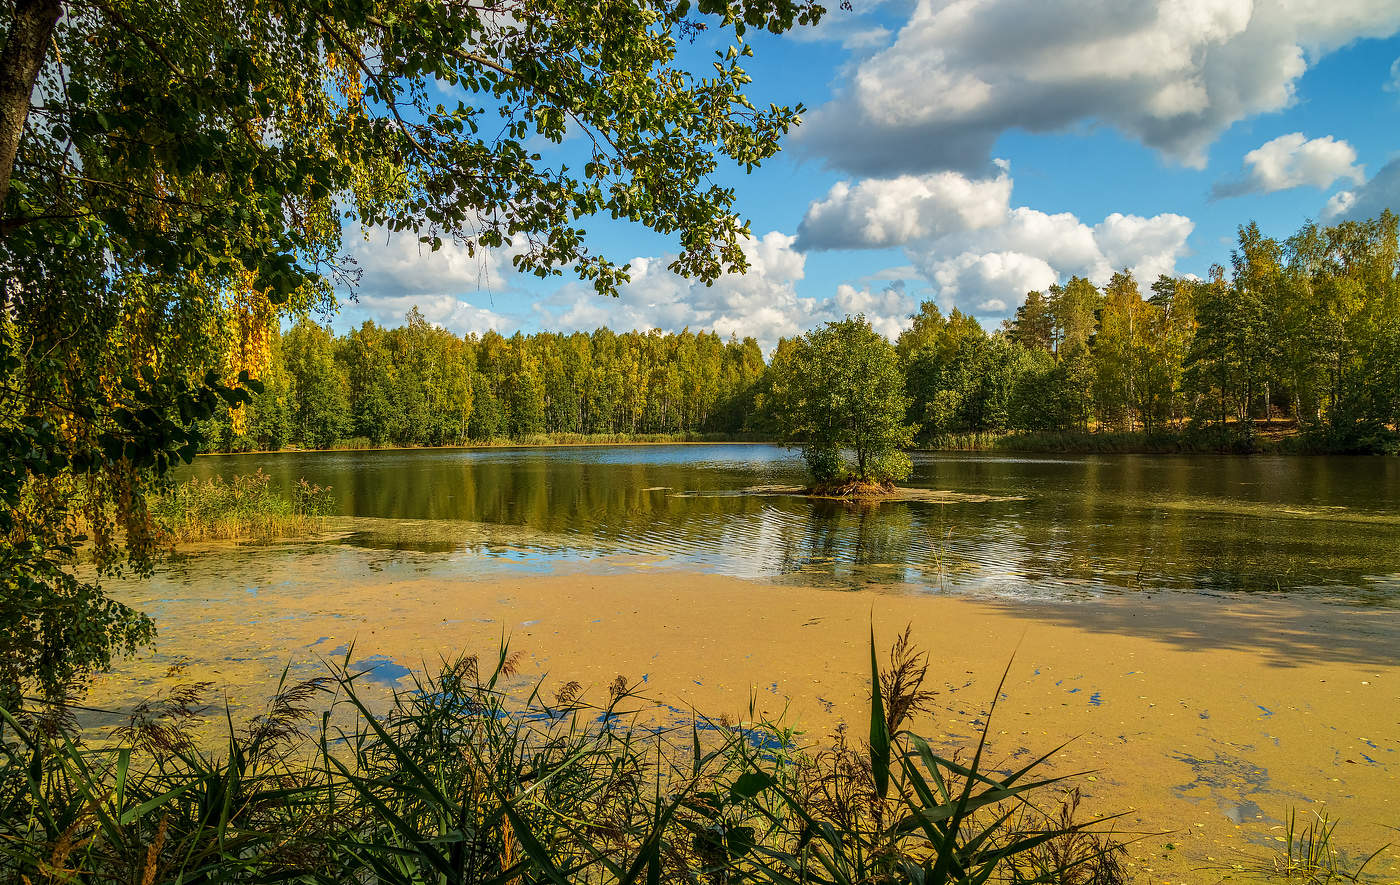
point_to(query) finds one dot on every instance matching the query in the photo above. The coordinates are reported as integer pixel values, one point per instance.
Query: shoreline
(1203, 717)
(1291, 444)
(562, 444)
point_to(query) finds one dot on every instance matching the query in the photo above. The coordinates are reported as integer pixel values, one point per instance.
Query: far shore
(1280, 438)
(561, 443)
(1205, 719)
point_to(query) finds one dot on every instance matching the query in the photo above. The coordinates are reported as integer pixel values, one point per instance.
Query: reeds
(245, 507)
(461, 781)
(1309, 855)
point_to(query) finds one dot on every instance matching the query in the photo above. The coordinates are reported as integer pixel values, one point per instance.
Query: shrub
(243, 507)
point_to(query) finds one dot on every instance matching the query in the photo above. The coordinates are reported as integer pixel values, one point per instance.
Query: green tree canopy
(839, 394)
(173, 175)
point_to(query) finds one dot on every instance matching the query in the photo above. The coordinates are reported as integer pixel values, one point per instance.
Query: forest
(1304, 331)
(419, 385)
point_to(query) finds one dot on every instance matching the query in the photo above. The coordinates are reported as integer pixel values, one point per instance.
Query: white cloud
(1338, 204)
(1149, 247)
(888, 310)
(1393, 84)
(762, 303)
(1292, 161)
(450, 287)
(1369, 200)
(985, 283)
(1170, 73)
(398, 273)
(880, 212)
(447, 311)
(1061, 239)
(979, 255)
(988, 272)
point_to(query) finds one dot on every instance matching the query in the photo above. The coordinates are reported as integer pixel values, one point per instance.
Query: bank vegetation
(458, 783)
(1299, 333)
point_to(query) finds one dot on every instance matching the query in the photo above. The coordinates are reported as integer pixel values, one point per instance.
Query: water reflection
(1055, 527)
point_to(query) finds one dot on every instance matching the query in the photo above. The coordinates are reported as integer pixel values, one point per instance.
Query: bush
(244, 507)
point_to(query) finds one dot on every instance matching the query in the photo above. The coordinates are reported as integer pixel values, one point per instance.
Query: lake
(1217, 634)
(1050, 527)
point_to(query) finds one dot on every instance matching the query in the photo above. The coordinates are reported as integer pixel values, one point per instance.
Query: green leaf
(879, 731)
(750, 784)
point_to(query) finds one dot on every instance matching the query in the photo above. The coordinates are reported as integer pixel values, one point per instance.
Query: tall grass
(1310, 857)
(1212, 440)
(244, 507)
(457, 784)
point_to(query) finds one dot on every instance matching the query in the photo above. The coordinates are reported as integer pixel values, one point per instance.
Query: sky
(968, 151)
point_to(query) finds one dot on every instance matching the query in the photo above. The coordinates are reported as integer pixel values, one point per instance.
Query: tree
(841, 390)
(172, 169)
(321, 411)
(1034, 325)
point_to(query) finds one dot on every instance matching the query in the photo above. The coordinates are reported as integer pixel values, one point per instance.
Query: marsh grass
(1309, 855)
(1234, 439)
(245, 507)
(459, 783)
(1101, 442)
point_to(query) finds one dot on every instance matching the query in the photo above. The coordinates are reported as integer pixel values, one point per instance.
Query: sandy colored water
(1205, 718)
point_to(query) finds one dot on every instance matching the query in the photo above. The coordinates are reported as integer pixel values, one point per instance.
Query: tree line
(422, 385)
(1305, 329)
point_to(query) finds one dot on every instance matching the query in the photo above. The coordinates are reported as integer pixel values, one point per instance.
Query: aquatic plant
(1309, 855)
(463, 781)
(244, 507)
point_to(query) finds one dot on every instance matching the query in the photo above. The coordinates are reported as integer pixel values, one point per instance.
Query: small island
(838, 393)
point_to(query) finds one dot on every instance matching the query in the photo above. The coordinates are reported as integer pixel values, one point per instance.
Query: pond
(1052, 527)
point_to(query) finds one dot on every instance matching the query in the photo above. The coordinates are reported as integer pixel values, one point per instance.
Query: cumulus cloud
(888, 310)
(398, 273)
(763, 302)
(446, 311)
(397, 264)
(988, 272)
(978, 254)
(1370, 199)
(457, 292)
(1292, 161)
(1149, 247)
(1338, 204)
(1170, 73)
(1393, 84)
(988, 283)
(880, 212)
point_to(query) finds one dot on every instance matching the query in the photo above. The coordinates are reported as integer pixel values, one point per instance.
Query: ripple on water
(1033, 527)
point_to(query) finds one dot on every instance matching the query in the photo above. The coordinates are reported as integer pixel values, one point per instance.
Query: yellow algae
(1204, 719)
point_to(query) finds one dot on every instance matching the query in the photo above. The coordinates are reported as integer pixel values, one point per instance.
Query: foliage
(840, 389)
(454, 783)
(420, 385)
(175, 178)
(1304, 329)
(242, 507)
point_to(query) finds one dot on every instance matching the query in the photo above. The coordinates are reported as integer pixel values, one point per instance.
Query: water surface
(1047, 526)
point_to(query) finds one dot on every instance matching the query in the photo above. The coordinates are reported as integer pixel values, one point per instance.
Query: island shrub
(838, 393)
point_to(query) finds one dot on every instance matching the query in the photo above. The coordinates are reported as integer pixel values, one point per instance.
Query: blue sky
(965, 151)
